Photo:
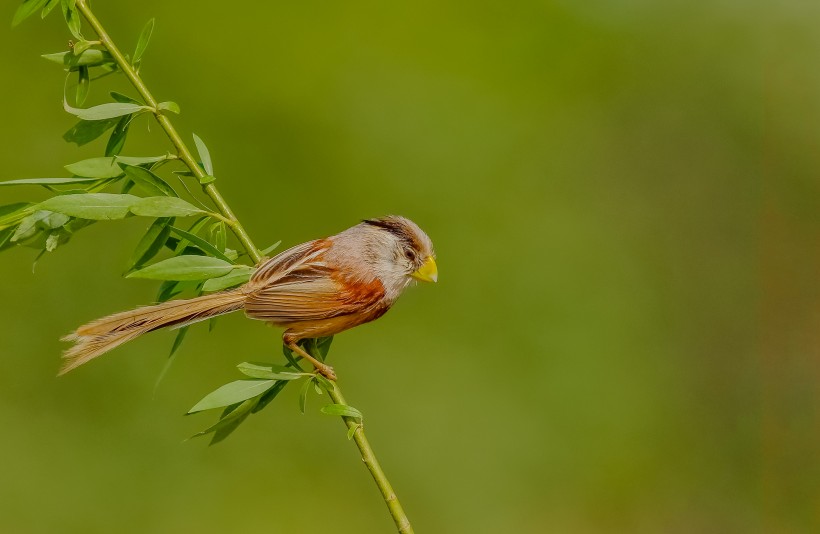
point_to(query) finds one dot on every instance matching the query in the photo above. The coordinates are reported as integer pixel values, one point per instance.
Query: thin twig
(369, 458)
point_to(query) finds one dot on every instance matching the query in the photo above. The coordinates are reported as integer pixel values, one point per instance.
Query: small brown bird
(315, 289)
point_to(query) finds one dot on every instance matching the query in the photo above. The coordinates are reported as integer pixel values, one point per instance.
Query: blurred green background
(624, 201)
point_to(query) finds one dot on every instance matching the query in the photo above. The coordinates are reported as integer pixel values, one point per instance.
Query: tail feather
(98, 337)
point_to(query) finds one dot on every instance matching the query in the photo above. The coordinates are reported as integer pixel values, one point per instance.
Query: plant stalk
(368, 456)
(182, 149)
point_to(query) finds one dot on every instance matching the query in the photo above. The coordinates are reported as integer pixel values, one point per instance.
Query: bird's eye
(410, 255)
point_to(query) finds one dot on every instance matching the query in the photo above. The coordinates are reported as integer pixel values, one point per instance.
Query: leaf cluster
(262, 383)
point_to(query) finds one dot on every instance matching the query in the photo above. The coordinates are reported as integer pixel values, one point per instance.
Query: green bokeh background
(624, 201)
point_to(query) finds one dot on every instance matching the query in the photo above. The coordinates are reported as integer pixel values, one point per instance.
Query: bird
(316, 289)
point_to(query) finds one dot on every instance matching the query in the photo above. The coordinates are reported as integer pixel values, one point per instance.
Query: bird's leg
(323, 368)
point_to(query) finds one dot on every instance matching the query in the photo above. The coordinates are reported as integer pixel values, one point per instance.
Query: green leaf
(87, 58)
(96, 168)
(116, 142)
(142, 43)
(232, 393)
(164, 207)
(268, 371)
(352, 430)
(327, 384)
(230, 419)
(105, 111)
(37, 221)
(219, 235)
(271, 248)
(238, 276)
(11, 214)
(86, 131)
(150, 182)
(27, 9)
(292, 359)
(5, 238)
(182, 244)
(303, 394)
(180, 337)
(184, 268)
(204, 155)
(81, 46)
(151, 242)
(267, 397)
(48, 7)
(124, 99)
(48, 181)
(203, 245)
(169, 289)
(142, 160)
(83, 85)
(169, 106)
(72, 17)
(322, 347)
(342, 409)
(94, 206)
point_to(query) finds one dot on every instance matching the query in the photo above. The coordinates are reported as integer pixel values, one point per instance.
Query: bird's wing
(298, 286)
(294, 257)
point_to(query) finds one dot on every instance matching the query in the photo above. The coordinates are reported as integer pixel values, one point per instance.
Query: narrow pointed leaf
(184, 268)
(341, 409)
(203, 245)
(27, 9)
(141, 160)
(48, 181)
(83, 85)
(142, 43)
(96, 168)
(268, 371)
(169, 106)
(124, 99)
(94, 206)
(116, 142)
(271, 248)
(180, 337)
(303, 392)
(238, 276)
(104, 111)
(232, 416)
(232, 393)
(48, 7)
(80, 47)
(12, 214)
(204, 155)
(87, 58)
(151, 242)
(72, 17)
(164, 207)
(86, 131)
(149, 181)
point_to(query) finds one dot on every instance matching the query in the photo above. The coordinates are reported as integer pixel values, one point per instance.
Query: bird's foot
(326, 371)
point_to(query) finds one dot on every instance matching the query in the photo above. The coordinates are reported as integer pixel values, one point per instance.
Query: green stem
(369, 458)
(182, 149)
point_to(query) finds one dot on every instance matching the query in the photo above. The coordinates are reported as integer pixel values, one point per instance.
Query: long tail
(98, 337)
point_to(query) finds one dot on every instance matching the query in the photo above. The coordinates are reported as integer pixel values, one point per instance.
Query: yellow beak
(428, 272)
